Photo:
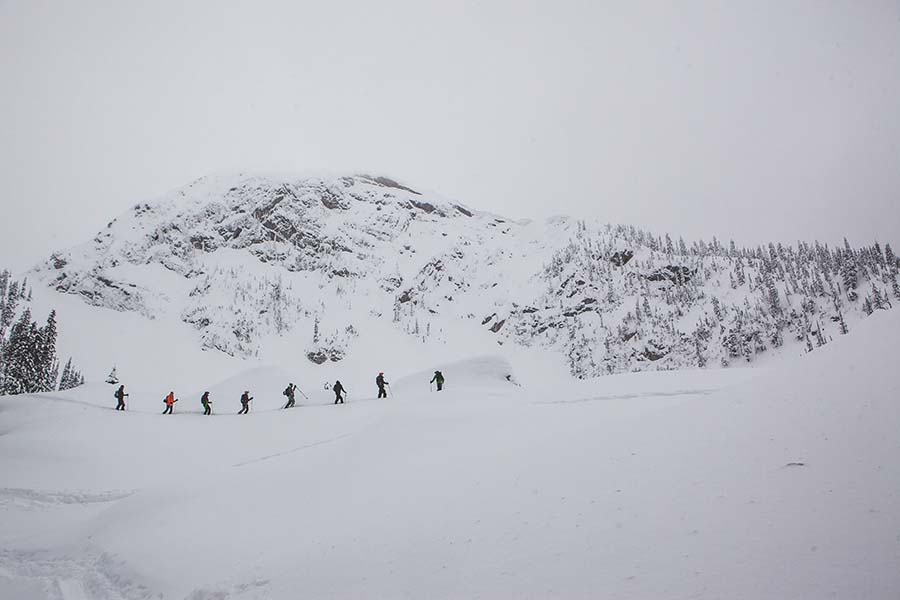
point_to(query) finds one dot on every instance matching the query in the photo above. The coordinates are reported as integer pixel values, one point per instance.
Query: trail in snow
(30, 497)
(292, 450)
(703, 392)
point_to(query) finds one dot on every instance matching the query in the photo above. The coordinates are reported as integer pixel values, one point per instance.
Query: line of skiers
(289, 392)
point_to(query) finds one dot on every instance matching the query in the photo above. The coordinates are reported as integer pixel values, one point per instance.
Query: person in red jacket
(170, 403)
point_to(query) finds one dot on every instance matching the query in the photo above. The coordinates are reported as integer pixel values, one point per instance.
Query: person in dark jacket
(289, 392)
(245, 402)
(120, 396)
(207, 410)
(338, 391)
(438, 379)
(380, 382)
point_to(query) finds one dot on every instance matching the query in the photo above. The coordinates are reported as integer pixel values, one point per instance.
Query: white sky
(757, 120)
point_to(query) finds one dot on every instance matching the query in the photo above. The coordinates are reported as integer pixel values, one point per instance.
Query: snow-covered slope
(301, 271)
(698, 484)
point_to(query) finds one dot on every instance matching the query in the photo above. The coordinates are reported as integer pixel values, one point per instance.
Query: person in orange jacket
(170, 403)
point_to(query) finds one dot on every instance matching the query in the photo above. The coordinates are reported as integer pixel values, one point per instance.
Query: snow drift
(483, 372)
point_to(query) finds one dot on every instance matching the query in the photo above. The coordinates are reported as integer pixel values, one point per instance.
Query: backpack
(286, 392)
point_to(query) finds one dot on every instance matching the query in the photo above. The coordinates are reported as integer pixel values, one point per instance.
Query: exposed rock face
(673, 274)
(621, 258)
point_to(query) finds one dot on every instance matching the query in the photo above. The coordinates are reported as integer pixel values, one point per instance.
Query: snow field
(652, 485)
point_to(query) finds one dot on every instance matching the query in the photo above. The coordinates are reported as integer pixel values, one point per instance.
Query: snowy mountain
(245, 261)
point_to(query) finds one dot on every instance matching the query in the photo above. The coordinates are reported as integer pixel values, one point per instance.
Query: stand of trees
(620, 299)
(28, 361)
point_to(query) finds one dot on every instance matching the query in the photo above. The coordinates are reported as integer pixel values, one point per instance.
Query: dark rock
(317, 357)
(498, 326)
(425, 206)
(388, 182)
(674, 274)
(58, 261)
(331, 200)
(652, 355)
(391, 283)
(621, 258)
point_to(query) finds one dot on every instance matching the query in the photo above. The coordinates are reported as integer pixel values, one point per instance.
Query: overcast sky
(755, 120)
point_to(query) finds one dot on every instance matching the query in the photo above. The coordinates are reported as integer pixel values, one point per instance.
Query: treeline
(28, 360)
(620, 299)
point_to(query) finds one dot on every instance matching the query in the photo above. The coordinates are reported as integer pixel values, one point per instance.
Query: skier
(338, 390)
(245, 402)
(380, 382)
(120, 396)
(289, 392)
(170, 401)
(438, 379)
(207, 410)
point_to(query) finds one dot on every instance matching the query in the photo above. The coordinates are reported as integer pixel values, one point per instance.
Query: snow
(651, 485)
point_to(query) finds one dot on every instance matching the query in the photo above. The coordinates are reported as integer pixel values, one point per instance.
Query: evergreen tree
(843, 324)
(45, 355)
(877, 300)
(71, 377)
(771, 291)
(849, 272)
(890, 259)
(10, 304)
(66, 376)
(20, 369)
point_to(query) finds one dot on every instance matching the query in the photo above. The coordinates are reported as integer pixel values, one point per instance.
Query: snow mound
(483, 372)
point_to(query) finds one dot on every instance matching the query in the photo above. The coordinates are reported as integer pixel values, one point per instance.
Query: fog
(753, 120)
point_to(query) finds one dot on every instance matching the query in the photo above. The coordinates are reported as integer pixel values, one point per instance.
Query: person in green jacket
(207, 410)
(438, 379)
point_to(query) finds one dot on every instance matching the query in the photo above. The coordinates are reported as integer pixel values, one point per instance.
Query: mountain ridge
(242, 258)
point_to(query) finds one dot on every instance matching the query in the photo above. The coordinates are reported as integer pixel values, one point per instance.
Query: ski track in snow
(62, 578)
(100, 578)
(702, 392)
(292, 450)
(30, 498)
(255, 589)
